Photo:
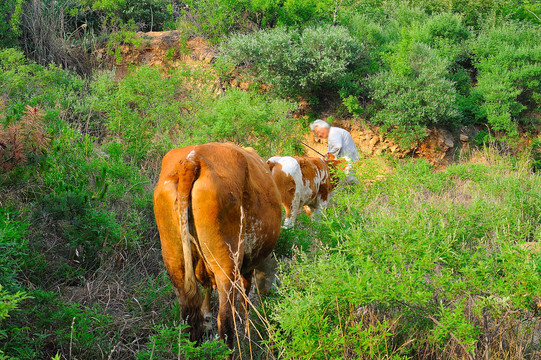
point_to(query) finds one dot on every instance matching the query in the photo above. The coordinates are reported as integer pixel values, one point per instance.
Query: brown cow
(303, 182)
(218, 214)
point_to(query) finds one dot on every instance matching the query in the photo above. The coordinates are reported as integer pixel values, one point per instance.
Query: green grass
(420, 263)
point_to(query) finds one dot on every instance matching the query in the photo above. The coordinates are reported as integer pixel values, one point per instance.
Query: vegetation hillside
(416, 262)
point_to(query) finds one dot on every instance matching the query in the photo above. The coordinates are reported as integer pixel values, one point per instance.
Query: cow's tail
(188, 172)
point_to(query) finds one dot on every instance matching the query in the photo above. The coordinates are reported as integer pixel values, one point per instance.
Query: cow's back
(316, 179)
(234, 195)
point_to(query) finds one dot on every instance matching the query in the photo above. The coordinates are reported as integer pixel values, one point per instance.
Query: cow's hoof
(207, 322)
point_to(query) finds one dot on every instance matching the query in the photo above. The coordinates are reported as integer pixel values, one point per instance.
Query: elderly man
(341, 144)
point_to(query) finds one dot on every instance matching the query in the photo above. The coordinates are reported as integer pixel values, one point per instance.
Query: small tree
(296, 61)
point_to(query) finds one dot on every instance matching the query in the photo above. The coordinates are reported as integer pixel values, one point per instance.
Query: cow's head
(336, 166)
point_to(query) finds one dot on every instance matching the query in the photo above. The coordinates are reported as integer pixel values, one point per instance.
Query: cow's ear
(330, 157)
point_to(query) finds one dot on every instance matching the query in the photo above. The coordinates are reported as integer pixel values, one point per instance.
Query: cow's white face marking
(191, 155)
(166, 182)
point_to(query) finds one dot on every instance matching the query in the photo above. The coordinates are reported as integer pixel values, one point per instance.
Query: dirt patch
(164, 49)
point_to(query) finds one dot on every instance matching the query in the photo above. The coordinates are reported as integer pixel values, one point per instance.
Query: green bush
(475, 12)
(126, 35)
(142, 105)
(10, 26)
(447, 34)
(508, 59)
(149, 114)
(216, 19)
(299, 12)
(146, 15)
(249, 119)
(444, 28)
(376, 36)
(296, 61)
(94, 192)
(424, 73)
(27, 83)
(414, 93)
(146, 111)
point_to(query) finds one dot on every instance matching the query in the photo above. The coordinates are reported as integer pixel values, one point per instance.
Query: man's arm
(335, 143)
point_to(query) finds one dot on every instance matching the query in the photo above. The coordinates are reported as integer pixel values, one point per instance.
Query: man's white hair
(319, 123)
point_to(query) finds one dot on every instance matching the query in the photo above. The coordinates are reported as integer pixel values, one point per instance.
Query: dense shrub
(299, 12)
(508, 59)
(150, 114)
(216, 19)
(10, 26)
(147, 15)
(296, 61)
(475, 12)
(423, 71)
(8, 303)
(27, 83)
(446, 28)
(376, 35)
(250, 120)
(414, 94)
(143, 107)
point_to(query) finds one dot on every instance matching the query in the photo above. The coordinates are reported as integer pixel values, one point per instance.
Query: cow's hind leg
(190, 306)
(205, 279)
(288, 201)
(287, 220)
(265, 275)
(206, 310)
(247, 285)
(226, 326)
(191, 313)
(295, 207)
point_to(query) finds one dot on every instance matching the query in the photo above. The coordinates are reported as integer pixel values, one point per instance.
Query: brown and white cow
(302, 182)
(218, 215)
